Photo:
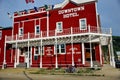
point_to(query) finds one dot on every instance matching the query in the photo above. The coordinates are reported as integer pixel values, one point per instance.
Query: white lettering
(71, 10)
(70, 15)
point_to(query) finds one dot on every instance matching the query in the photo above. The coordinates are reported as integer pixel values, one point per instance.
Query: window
(83, 24)
(20, 31)
(61, 48)
(38, 51)
(37, 29)
(0, 34)
(59, 26)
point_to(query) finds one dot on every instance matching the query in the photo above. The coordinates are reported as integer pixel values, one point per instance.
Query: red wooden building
(65, 34)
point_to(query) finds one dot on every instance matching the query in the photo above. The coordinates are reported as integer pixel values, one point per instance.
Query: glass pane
(35, 57)
(57, 50)
(83, 24)
(62, 50)
(62, 46)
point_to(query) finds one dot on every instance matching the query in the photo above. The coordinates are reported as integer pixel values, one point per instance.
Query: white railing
(68, 31)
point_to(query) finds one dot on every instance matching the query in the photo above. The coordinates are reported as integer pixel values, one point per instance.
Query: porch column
(15, 53)
(100, 50)
(112, 58)
(72, 47)
(4, 61)
(47, 23)
(31, 55)
(56, 59)
(41, 52)
(83, 54)
(28, 61)
(91, 61)
(18, 55)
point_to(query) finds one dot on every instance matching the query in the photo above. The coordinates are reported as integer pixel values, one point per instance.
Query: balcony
(91, 30)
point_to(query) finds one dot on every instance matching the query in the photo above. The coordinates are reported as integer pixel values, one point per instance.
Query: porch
(70, 35)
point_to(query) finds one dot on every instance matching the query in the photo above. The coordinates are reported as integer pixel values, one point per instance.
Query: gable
(69, 5)
(61, 5)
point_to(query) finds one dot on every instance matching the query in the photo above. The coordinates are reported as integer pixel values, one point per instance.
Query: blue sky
(109, 11)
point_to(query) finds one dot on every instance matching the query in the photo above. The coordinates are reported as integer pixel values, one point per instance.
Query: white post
(56, 59)
(100, 50)
(72, 48)
(83, 54)
(112, 53)
(28, 61)
(4, 61)
(31, 55)
(18, 54)
(15, 53)
(41, 52)
(47, 23)
(91, 61)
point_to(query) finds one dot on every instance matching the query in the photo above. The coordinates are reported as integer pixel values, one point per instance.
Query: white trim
(85, 23)
(59, 30)
(61, 5)
(29, 14)
(97, 15)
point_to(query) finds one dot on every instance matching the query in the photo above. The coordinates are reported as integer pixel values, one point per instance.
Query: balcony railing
(53, 33)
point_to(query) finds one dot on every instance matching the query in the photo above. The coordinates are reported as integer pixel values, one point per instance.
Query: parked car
(117, 63)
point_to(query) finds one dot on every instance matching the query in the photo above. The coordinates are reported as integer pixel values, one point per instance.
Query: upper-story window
(59, 26)
(83, 24)
(37, 29)
(0, 34)
(61, 48)
(21, 31)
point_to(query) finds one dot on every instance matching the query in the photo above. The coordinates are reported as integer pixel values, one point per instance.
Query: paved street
(23, 74)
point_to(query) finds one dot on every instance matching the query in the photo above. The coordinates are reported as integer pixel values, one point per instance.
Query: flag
(26, 11)
(35, 8)
(10, 16)
(29, 1)
(49, 7)
(46, 7)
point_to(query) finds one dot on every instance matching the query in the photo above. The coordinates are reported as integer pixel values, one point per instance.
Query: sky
(109, 11)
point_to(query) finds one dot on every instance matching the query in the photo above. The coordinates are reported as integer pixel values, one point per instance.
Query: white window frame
(60, 49)
(81, 24)
(57, 27)
(39, 50)
(36, 33)
(0, 34)
(21, 33)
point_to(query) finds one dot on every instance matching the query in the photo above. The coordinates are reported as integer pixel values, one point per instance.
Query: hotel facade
(56, 36)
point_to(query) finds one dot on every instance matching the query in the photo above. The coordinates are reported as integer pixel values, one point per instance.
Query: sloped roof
(76, 1)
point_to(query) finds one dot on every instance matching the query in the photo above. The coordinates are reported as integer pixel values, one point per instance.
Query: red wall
(7, 32)
(29, 21)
